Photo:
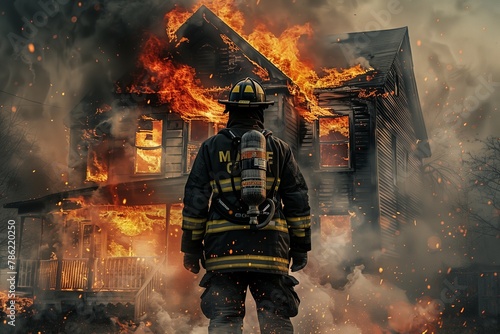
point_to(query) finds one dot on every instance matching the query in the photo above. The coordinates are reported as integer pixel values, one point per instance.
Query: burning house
(360, 142)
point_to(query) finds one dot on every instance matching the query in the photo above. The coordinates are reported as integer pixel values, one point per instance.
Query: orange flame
(97, 170)
(132, 221)
(331, 125)
(176, 84)
(149, 149)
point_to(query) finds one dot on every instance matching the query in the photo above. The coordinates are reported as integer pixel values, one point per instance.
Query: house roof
(378, 50)
(204, 25)
(375, 49)
(143, 192)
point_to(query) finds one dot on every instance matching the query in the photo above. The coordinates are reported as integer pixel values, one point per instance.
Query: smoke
(56, 52)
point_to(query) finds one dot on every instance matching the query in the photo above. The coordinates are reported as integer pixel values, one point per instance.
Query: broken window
(334, 134)
(97, 161)
(148, 146)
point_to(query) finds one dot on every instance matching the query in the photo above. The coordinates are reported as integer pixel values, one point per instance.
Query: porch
(92, 281)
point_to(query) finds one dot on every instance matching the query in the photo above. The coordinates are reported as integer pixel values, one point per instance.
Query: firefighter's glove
(299, 260)
(192, 262)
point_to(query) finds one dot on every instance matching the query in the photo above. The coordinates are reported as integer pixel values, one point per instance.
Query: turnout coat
(236, 246)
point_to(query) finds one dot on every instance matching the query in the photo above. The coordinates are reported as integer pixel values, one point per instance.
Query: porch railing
(27, 273)
(122, 273)
(153, 283)
(108, 274)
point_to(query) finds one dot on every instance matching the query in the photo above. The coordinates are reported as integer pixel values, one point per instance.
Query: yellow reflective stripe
(247, 262)
(222, 225)
(226, 185)
(299, 222)
(298, 232)
(197, 234)
(191, 223)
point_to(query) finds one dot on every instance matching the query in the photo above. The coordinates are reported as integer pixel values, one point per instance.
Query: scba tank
(253, 171)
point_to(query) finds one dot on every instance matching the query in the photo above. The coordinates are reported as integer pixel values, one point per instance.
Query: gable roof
(376, 49)
(204, 25)
(379, 50)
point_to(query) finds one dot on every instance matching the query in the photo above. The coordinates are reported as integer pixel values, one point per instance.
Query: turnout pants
(223, 301)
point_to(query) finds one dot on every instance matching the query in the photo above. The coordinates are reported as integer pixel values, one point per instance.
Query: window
(199, 131)
(334, 148)
(148, 146)
(97, 162)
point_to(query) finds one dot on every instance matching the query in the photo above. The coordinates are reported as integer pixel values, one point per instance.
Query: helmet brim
(246, 103)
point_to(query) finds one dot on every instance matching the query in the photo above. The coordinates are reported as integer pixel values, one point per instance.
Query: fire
(149, 147)
(224, 9)
(122, 230)
(177, 85)
(332, 125)
(97, 170)
(133, 221)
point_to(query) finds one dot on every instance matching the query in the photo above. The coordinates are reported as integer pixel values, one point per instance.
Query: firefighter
(216, 230)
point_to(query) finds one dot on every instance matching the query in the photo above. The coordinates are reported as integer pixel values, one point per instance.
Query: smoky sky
(78, 47)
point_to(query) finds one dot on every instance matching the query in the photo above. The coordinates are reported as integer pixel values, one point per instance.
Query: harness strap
(222, 205)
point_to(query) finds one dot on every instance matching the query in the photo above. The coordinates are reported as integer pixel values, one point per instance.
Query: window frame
(349, 141)
(160, 147)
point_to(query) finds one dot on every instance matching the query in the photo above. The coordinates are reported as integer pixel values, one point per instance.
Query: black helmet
(247, 93)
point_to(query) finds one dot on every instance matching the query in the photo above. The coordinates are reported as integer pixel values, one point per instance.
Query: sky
(78, 46)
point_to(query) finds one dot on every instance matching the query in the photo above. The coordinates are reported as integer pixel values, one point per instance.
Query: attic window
(333, 138)
(148, 146)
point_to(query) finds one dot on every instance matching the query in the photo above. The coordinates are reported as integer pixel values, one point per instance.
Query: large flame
(331, 126)
(176, 84)
(133, 221)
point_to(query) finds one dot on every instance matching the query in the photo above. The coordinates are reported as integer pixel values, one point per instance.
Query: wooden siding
(398, 166)
(174, 148)
(282, 119)
(342, 191)
(364, 169)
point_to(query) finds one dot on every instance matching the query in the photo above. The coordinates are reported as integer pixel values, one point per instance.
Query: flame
(331, 125)
(177, 85)
(134, 220)
(97, 170)
(117, 250)
(224, 9)
(149, 148)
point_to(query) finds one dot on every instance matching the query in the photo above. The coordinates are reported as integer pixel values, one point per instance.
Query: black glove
(299, 260)
(192, 262)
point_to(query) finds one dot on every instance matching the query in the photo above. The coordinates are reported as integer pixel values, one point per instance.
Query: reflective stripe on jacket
(229, 246)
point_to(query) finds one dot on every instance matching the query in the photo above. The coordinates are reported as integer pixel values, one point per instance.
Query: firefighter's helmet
(246, 93)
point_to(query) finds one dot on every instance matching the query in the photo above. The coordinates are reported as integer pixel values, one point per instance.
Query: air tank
(253, 172)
